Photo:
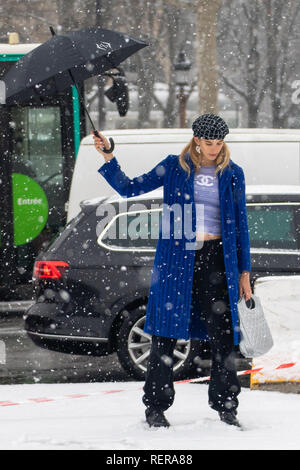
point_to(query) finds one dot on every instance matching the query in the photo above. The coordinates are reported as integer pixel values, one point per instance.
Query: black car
(92, 282)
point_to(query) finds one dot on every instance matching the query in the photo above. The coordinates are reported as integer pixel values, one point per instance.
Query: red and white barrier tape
(107, 392)
(242, 372)
(48, 399)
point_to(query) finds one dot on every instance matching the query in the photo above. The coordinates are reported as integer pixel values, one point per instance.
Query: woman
(198, 276)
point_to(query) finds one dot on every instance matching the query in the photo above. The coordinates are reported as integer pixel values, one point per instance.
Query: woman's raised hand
(101, 142)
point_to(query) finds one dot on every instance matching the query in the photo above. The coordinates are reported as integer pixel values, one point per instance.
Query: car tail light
(49, 269)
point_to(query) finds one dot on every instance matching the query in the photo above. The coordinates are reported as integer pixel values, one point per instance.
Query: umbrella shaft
(82, 100)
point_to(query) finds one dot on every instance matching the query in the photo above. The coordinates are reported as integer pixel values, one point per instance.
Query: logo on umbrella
(103, 45)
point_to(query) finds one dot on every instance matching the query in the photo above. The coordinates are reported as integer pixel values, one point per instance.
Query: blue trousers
(210, 292)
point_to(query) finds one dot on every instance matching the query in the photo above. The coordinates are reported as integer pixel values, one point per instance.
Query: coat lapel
(224, 179)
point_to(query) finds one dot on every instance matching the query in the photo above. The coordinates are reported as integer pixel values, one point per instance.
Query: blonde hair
(222, 159)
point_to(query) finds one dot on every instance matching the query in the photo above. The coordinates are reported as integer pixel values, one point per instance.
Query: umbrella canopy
(75, 56)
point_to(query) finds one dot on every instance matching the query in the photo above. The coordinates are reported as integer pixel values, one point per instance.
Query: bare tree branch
(183, 3)
(235, 88)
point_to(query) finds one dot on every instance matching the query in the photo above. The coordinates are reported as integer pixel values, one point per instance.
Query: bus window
(37, 153)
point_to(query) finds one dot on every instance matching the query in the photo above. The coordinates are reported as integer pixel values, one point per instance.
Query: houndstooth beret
(210, 126)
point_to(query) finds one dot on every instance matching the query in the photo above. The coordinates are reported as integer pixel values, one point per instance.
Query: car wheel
(133, 348)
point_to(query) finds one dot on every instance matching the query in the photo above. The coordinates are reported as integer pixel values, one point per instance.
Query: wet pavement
(21, 361)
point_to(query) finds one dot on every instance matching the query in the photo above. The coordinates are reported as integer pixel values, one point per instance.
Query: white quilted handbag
(255, 334)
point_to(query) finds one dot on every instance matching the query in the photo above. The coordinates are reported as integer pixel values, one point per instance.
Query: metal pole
(182, 107)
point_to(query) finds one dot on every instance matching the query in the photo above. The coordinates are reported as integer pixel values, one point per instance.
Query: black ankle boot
(229, 417)
(156, 418)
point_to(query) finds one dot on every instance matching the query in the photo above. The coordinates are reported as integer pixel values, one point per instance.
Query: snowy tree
(206, 20)
(249, 49)
(161, 25)
(256, 55)
(29, 18)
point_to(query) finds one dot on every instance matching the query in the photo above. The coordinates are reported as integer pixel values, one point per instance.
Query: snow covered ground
(111, 416)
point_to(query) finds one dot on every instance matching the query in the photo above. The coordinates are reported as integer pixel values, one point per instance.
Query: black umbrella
(66, 60)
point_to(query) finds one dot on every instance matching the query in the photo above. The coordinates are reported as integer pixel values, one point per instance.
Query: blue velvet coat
(170, 311)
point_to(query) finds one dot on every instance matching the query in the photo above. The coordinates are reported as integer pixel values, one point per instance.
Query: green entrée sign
(30, 206)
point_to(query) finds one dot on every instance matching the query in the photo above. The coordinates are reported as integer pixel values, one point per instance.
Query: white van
(268, 156)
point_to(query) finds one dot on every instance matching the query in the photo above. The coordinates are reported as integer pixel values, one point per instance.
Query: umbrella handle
(112, 144)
